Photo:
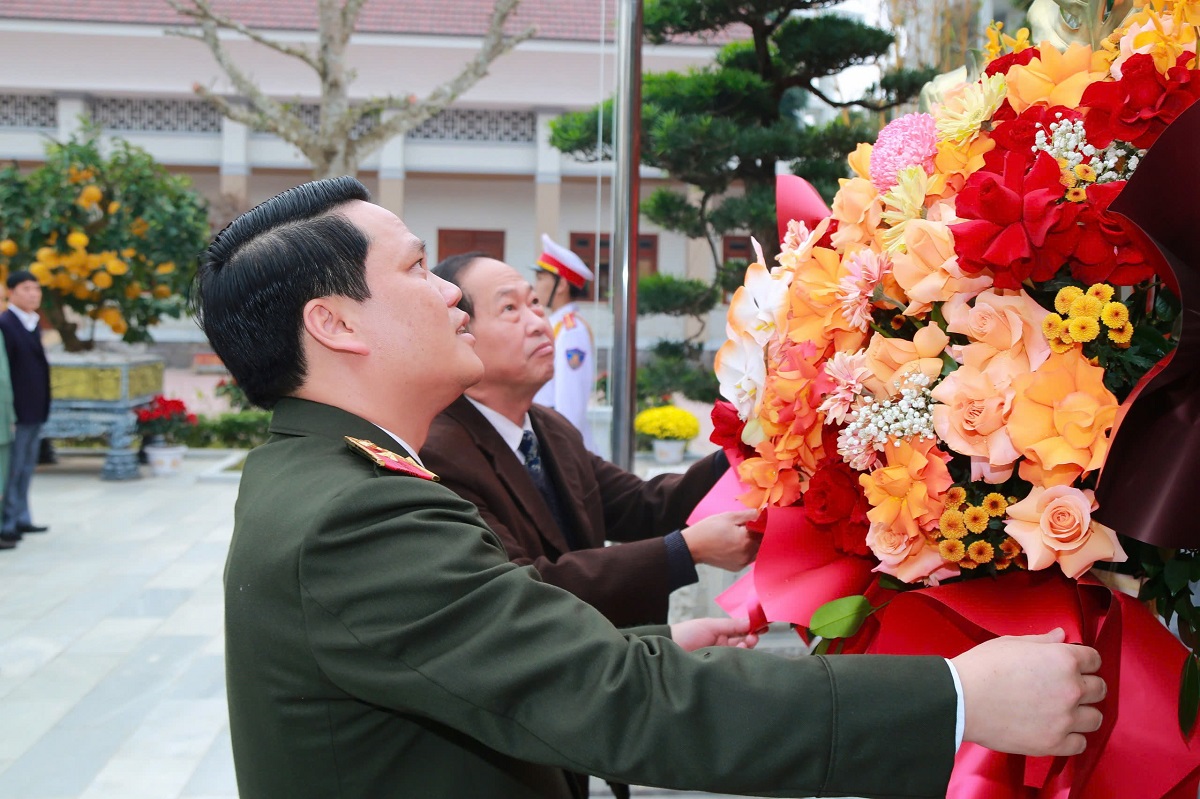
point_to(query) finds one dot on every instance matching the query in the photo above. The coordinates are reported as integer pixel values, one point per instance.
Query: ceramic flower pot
(668, 451)
(165, 459)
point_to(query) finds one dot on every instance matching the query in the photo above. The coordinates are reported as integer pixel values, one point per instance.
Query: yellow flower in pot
(670, 427)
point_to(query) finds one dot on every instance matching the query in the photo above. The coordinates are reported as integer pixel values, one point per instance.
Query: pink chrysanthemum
(864, 271)
(910, 140)
(849, 374)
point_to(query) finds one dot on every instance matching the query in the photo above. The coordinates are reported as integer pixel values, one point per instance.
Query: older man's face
(512, 336)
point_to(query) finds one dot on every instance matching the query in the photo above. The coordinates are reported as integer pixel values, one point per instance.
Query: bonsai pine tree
(725, 126)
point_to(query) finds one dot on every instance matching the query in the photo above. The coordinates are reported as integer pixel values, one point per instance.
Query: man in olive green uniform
(379, 644)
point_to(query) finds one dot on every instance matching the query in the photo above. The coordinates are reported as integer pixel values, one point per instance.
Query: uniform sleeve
(410, 604)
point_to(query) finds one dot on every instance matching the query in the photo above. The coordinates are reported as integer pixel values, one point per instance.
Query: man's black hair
(451, 270)
(20, 276)
(259, 272)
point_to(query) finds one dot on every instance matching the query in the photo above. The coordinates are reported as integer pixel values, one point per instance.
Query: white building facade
(482, 175)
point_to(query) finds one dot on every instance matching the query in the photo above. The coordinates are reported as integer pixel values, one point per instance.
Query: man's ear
(330, 321)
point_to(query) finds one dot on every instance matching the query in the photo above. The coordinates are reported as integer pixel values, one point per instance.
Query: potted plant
(162, 423)
(670, 428)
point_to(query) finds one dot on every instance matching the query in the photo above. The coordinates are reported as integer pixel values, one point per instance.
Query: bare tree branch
(201, 11)
(330, 148)
(411, 114)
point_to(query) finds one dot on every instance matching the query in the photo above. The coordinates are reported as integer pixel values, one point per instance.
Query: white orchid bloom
(759, 305)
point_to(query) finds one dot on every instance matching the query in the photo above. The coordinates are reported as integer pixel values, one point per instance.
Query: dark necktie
(545, 485)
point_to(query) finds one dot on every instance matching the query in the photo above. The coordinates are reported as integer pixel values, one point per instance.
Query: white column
(392, 173)
(235, 162)
(548, 188)
(71, 110)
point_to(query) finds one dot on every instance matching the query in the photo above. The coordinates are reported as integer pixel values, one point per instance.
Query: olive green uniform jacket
(379, 644)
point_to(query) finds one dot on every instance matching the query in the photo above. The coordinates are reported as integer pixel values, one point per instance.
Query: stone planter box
(94, 394)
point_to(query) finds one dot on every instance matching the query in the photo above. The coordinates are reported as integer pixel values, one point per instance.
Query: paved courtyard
(111, 668)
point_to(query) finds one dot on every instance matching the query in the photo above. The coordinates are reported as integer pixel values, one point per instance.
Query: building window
(457, 242)
(584, 245)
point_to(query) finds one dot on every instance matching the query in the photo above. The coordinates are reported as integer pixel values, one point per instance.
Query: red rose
(835, 501)
(1139, 106)
(1106, 253)
(1019, 134)
(1016, 226)
(727, 429)
(1009, 60)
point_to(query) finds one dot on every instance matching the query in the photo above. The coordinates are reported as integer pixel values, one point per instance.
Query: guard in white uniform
(560, 279)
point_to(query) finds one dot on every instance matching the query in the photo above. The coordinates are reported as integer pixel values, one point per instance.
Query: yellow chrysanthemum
(1083, 328)
(903, 203)
(951, 525)
(1001, 564)
(90, 196)
(1067, 179)
(1121, 335)
(133, 291)
(102, 280)
(1085, 306)
(981, 552)
(1052, 326)
(162, 292)
(167, 267)
(113, 207)
(8, 248)
(975, 518)
(1077, 194)
(1061, 345)
(77, 240)
(1085, 172)
(967, 563)
(994, 504)
(961, 117)
(1101, 291)
(952, 550)
(1010, 548)
(1114, 315)
(1066, 295)
(956, 496)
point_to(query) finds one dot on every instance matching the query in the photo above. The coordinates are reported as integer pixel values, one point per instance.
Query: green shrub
(241, 430)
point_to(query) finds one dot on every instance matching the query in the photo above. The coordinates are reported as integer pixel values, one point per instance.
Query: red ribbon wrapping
(1138, 753)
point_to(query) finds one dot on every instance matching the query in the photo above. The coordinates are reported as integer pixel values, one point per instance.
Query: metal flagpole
(623, 250)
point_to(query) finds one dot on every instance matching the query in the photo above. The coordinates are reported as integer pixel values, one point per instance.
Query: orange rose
(1060, 418)
(1055, 78)
(954, 163)
(771, 483)
(907, 493)
(1055, 524)
(816, 310)
(907, 558)
(927, 268)
(973, 408)
(892, 359)
(857, 208)
(1005, 324)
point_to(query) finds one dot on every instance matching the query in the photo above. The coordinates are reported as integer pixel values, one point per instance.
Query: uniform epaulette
(569, 321)
(386, 459)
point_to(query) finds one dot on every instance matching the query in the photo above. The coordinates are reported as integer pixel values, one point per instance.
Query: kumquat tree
(110, 235)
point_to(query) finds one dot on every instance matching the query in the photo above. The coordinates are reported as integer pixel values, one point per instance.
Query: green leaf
(1175, 573)
(890, 583)
(841, 617)
(1189, 694)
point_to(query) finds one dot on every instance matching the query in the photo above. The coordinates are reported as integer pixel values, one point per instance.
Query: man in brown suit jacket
(475, 446)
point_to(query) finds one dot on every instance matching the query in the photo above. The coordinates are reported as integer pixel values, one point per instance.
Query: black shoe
(31, 528)
(6, 543)
(10, 538)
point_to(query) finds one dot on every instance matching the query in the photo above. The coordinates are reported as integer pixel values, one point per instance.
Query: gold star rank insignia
(386, 459)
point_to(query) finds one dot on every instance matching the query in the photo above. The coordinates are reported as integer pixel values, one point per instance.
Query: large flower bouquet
(925, 390)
